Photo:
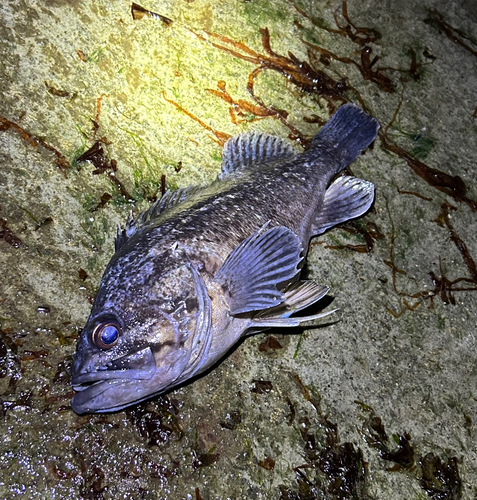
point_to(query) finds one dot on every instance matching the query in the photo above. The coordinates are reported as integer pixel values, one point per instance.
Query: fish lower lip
(87, 395)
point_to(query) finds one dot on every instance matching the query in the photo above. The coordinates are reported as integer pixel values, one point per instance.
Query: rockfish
(204, 266)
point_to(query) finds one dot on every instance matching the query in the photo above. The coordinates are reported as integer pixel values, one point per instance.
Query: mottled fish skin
(206, 265)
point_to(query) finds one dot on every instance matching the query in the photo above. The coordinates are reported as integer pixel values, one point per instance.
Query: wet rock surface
(103, 108)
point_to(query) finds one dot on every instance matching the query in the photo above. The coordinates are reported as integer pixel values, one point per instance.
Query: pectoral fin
(346, 198)
(253, 270)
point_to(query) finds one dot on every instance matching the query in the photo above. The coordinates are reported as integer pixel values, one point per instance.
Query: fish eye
(106, 335)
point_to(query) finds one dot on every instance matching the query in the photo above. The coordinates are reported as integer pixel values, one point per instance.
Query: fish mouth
(113, 387)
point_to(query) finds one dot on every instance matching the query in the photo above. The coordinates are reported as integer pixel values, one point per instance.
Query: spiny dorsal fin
(253, 270)
(347, 198)
(253, 148)
(162, 205)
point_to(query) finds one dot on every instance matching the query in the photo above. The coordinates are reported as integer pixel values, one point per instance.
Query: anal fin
(298, 296)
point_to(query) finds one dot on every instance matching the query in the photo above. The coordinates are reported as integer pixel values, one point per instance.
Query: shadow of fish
(205, 265)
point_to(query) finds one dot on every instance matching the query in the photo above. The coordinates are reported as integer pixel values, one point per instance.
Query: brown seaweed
(267, 463)
(440, 480)
(103, 165)
(270, 343)
(8, 235)
(61, 162)
(357, 34)
(221, 137)
(370, 234)
(444, 288)
(157, 423)
(139, 12)
(231, 421)
(452, 186)
(300, 73)
(95, 155)
(56, 92)
(332, 469)
(366, 66)
(261, 386)
(247, 111)
(455, 35)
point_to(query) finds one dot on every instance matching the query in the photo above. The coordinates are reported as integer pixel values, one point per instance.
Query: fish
(206, 265)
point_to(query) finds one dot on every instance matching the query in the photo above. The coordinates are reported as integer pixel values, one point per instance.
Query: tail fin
(348, 132)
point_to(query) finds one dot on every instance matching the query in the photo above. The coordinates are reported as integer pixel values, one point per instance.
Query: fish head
(147, 324)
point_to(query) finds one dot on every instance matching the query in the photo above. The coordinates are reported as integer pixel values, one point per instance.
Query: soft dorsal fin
(169, 200)
(346, 198)
(252, 148)
(253, 270)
